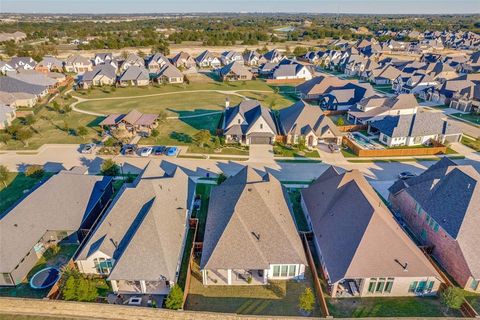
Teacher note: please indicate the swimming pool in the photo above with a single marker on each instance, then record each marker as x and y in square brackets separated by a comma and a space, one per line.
[364, 142]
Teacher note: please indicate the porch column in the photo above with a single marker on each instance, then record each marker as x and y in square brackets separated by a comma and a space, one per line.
[204, 277]
[143, 286]
[265, 276]
[333, 294]
[114, 285]
[229, 276]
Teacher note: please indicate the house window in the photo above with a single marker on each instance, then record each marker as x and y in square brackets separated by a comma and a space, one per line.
[380, 285]
[261, 125]
[372, 285]
[421, 286]
[436, 227]
[389, 285]
[276, 271]
[430, 286]
[291, 270]
[284, 271]
[418, 208]
[474, 284]
[102, 265]
[239, 121]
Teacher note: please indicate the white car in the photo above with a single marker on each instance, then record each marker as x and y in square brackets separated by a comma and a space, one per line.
[146, 151]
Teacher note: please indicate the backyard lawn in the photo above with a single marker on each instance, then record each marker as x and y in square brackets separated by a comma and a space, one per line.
[474, 300]
[388, 307]
[17, 184]
[58, 260]
[203, 190]
[470, 117]
[278, 298]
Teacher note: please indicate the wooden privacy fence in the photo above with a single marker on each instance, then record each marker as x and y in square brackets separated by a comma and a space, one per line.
[316, 281]
[276, 81]
[438, 148]
[353, 127]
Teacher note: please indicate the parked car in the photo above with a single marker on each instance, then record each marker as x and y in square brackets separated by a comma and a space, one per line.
[129, 149]
[159, 150]
[146, 151]
[171, 151]
[406, 175]
[88, 148]
[333, 147]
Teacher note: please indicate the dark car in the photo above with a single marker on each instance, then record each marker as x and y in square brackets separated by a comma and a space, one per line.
[129, 149]
[88, 148]
[159, 150]
[333, 147]
[406, 175]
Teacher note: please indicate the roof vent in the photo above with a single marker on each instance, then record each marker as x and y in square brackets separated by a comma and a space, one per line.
[256, 235]
[249, 189]
[404, 266]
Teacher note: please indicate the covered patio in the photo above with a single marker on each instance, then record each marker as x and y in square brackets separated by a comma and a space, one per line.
[140, 286]
[235, 277]
[347, 288]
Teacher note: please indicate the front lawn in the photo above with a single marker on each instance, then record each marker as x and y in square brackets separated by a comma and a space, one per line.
[229, 150]
[473, 118]
[471, 143]
[281, 150]
[17, 185]
[388, 307]
[278, 298]
[181, 131]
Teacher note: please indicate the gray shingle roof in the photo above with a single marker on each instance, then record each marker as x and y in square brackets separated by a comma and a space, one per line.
[450, 194]
[235, 67]
[135, 73]
[250, 110]
[357, 234]
[144, 228]
[61, 203]
[12, 85]
[249, 225]
[412, 125]
[100, 70]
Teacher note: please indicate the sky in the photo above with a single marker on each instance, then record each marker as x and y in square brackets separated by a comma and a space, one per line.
[185, 6]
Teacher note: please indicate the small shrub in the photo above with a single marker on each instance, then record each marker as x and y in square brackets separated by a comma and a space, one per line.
[110, 168]
[340, 122]
[249, 279]
[306, 302]
[175, 298]
[452, 298]
[51, 252]
[34, 171]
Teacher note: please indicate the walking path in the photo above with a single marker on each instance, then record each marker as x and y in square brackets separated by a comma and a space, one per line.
[225, 92]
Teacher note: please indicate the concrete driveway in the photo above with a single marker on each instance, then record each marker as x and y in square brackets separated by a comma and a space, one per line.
[261, 153]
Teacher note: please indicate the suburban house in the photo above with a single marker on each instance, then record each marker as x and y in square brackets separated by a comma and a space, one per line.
[441, 207]
[15, 86]
[7, 115]
[5, 67]
[155, 62]
[134, 122]
[444, 93]
[138, 244]
[253, 58]
[250, 236]
[26, 63]
[169, 74]
[383, 75]
[249, 123]
[183, 60]
[362, 249]
[78, 64]
[414, 129]
[235, 71]
[443, 71]
[273, 56]
[18, 99]
[413, 83]
[376, 107]
[334, 93]
[206, 60]
[49, 64]
[134, 76]
[60, 210]
[228, 57]
[292, 71]
[132, 60]
[101, 75]
[102, 58]
[304, 121]
[33, 77]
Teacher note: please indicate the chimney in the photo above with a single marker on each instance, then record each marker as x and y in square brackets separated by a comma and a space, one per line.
[227, 103]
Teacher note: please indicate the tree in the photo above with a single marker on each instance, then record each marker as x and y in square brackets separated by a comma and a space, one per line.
[110, 168]
[34, 171]
[78, 288]
[306, 302]
[56, 106]
[299, 51]
[175, 298]
[4, 175]
[202, 137]
[301, 143]
[452, 298]
[5, 137]
[82, 132]
[155, 133]
[69, 291]
[66, 126]
[340, 121]
[30, 120]
[23, 135]
[162, 116]
[66, 109]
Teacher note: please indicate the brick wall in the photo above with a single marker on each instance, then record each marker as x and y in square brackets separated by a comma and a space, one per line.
[446, 249]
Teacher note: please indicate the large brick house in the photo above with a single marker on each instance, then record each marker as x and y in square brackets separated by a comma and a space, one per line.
[442, 208]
